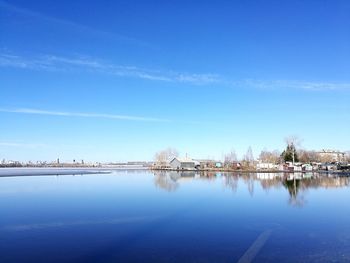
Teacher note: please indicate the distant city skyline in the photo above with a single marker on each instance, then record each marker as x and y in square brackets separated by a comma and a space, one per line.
[118, 81]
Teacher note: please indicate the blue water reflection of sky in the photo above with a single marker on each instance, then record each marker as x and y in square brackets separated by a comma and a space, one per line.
[169, 217]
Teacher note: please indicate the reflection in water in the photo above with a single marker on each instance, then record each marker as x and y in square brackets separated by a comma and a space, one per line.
[296, 184]
[232, 182]
[249, 179]
[166, 180]
[296, 198]
[114, 221]
[206, 217]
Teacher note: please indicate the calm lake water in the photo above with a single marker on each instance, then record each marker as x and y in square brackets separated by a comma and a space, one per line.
[141, 216]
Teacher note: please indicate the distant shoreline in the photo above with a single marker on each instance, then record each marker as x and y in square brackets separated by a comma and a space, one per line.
[46, 171]
[37, 171]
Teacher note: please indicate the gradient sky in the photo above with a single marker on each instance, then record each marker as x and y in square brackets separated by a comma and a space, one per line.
[119, 80]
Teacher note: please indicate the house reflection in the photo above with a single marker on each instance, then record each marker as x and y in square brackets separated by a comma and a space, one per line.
[296, 184]
[170, 180]
[165, 180]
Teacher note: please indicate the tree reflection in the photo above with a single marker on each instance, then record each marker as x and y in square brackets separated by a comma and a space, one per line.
[293, 185]
[166, 180]
[249, 179]
[231, 181]
[297, 184]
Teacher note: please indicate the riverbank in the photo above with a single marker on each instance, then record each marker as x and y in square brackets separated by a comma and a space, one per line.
[335, 172]
[31, 171]
[222, 170]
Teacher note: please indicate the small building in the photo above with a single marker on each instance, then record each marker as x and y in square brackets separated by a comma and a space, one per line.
[233, 165]
[266, 166]
[307, 167]
[329, 166]
[208, 163]
[294, 167]
[218, 164]
[184, 163]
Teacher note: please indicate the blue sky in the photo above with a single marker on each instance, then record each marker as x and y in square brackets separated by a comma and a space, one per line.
[119, 80]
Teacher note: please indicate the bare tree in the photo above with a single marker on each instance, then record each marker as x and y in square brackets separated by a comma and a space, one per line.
[314, 156]
[293, 140]
[308, 156]
[326, 158]
[270, 157]
[249, 157]
[162, 158]
[230, 157]
[347, 156]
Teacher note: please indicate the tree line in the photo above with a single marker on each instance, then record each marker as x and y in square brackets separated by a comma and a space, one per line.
[293, 152]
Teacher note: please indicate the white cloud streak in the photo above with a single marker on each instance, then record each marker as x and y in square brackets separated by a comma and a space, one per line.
[67, 24]
[88, 65]
[57, 63]
[22, 145]
[54, 63]
[292, 85]
[84, 115]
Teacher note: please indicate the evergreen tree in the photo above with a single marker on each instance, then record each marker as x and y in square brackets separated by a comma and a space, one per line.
[287, 154]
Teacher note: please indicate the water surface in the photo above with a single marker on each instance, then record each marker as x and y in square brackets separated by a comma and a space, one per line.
[141, 216]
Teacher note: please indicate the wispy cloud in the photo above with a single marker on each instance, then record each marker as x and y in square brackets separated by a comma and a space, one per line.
[292, 85]
[84, 115]
[69, 64]
[69, 25]
[22, 145]
[89, 65]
